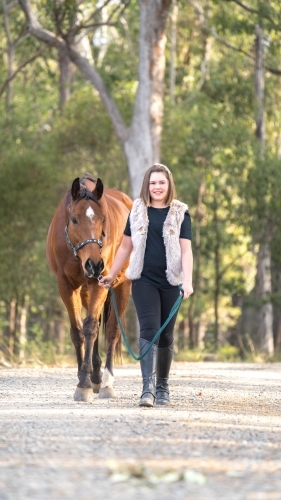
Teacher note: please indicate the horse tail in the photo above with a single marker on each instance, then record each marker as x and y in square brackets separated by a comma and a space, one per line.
[109, 324]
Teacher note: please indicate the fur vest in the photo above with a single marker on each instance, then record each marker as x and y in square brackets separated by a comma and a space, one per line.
[171, 233]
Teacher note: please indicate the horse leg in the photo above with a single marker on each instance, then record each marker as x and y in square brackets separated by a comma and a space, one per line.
[96, 377]
[77, 338]
[96, 299]
[96, 360]
[106, 389]
[84, 389]
[73, 304]
[122, 292]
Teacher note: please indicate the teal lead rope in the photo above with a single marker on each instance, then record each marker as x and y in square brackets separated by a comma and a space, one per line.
[173, 311]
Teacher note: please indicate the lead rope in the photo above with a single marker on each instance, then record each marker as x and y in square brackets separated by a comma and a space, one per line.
[173, 311]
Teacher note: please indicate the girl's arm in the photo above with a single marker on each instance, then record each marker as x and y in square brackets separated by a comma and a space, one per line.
[187, 266]
[121, 256]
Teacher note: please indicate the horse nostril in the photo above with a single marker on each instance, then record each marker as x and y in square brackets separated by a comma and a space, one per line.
[89, 266]
[93, 270]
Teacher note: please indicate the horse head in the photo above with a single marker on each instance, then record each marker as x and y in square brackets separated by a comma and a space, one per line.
[84, 228]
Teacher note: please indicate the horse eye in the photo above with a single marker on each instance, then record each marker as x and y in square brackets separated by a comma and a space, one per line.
[74, 220]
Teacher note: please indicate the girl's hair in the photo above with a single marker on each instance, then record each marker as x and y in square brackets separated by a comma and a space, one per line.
[158, 167]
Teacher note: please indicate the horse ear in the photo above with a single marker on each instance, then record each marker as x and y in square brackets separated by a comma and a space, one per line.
[75, 189]
[98, 189]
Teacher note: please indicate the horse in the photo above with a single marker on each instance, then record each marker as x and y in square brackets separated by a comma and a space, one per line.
[82, 240]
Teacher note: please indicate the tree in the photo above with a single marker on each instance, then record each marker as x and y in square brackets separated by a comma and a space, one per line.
[141, 140]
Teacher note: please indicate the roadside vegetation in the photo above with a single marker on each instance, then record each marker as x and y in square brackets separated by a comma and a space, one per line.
[220, 137]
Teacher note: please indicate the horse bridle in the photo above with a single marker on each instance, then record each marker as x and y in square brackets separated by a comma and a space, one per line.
[75, 248]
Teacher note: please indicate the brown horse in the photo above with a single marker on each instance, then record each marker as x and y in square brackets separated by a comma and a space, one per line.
[83, 237]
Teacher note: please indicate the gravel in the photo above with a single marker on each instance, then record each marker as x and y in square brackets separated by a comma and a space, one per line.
[219, 439]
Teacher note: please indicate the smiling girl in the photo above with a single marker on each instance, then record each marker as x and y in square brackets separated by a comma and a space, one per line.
[157, 237]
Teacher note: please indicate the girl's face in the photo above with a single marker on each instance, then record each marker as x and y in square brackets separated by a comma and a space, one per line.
[158, 189]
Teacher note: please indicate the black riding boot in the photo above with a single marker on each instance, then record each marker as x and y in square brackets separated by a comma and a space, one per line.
[148, 370]
[165, 356]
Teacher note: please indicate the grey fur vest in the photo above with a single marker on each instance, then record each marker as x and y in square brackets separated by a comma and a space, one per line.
[171, 233]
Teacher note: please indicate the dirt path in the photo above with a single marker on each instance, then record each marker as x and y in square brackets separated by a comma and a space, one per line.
[220, 439]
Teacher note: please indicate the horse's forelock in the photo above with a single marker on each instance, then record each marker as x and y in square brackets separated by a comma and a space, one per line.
[83, 195]
[87, 195]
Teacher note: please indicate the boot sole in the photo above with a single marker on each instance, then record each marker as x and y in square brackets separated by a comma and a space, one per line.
[146, 402]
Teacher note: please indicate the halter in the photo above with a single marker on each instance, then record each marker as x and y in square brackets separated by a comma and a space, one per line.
[82, 244]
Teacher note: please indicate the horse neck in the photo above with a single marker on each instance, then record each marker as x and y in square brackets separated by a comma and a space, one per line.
[111, 209]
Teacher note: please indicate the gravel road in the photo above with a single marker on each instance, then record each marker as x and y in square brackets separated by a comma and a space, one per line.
[220, 438]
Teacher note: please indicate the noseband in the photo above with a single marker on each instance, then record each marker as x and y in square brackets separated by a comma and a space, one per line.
[82, 244]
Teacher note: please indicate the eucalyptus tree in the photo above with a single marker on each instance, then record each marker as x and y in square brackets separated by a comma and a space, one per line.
[141, 140]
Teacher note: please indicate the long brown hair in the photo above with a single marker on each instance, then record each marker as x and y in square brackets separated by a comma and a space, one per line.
[158, 167]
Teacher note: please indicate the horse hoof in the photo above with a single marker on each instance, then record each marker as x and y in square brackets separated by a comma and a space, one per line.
[85, 395]
[106, 392]
[96, 388]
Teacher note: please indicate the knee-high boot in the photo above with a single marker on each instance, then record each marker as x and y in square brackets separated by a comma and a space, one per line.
[148, 370]
[165, 356]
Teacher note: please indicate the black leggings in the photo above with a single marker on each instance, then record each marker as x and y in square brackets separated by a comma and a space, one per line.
[153, 306]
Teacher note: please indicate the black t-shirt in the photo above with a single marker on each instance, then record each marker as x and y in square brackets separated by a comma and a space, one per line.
[154, 266]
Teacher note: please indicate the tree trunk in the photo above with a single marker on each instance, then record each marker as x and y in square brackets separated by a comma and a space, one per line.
[7, 344]
[217, 276]
[197, 267]
[184, 330]
[277, 325]
[200, 332]
[104, 37]
[23, 330]
[259, 88]
[142, 146]
[276, 283]
[174, 18]
[12, 324]
[265, 313]
[66, 75]
[205, 63]
[10, 56]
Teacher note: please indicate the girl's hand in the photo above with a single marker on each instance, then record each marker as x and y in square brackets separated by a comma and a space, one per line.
[105, 281]
[187, 289]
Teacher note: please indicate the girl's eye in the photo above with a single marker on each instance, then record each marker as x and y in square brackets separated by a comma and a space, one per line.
[74, 220]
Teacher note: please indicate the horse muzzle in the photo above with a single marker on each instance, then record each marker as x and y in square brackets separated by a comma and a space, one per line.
[93, 270]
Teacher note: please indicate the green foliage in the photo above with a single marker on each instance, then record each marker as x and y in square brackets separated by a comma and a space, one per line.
[189, 355]
[83, 140]
[228, 353]
[208, 141]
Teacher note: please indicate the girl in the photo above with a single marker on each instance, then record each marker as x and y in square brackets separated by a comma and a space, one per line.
[157, 238]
